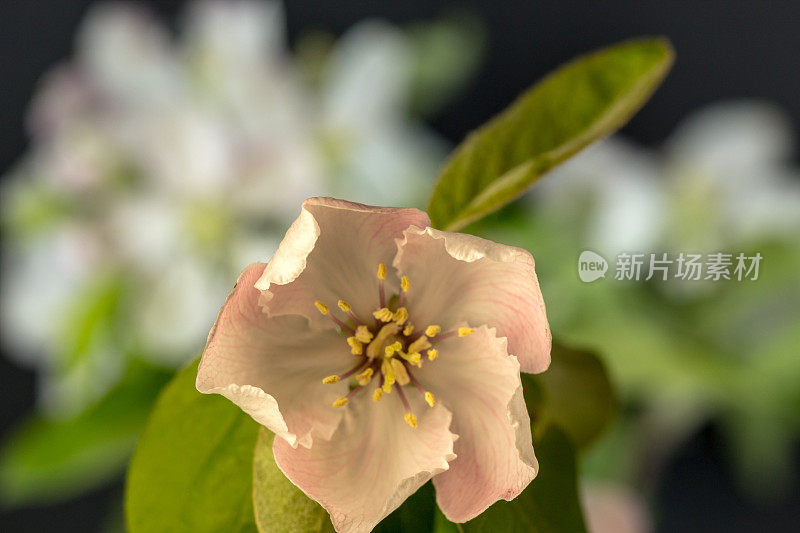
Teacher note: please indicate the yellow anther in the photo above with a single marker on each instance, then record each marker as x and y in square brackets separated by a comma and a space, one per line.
[433, 353]
[330, 380]
[433, 330]
[401, 316]
[377, 394]
[339, 402]
[400, 373]
[386, 387]
[344, 306]
[413, 358]
[411, 420]
[381, 271]
[384, 315]
[388, 374]
[392, 348]
[430, 399]
[463, 332]
[322, 307]
[356, 348]
[408, 330]
[365, 377]
[363, 334]
[405, 283]
[419, 345]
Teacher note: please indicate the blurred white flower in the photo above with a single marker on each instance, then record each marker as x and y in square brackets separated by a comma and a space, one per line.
[161, 165]
[723, 179]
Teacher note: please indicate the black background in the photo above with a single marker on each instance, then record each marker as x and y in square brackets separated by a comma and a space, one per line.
[725, 49]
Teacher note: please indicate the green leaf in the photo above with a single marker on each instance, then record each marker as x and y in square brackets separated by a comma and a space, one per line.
[193, 467]
[45, 460]
[550, 504]
[574, 393]
[280, 507]
[579, 103]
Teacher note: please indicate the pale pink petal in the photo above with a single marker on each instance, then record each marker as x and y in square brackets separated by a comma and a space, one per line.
[332, 252]
[479, 382]
[273, 367]
[373, 462]
[461, 278]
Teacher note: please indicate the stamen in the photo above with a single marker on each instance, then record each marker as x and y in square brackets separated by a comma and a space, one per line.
[330, 380]
[365, 377]
[463, 332]
[388, 374]
[418, 345]
[344, 306]
[399, 371]
[355, 369]
[339, 402]
[363, 334]
[408, 330]
[325, 311]
[384, 388]
[381, 290]
[405, 284]
[401, 315]
[383, 314]
[413, 358]
[356, 348]
[377, 394]
[433, 353]
[409, 416]
[430, 399]
[428, 395]
[392, 348]
[432, 330]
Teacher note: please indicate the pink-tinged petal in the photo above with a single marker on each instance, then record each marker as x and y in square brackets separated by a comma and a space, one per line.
[479, 382]
[373, 462]
[462, 278]
[273, 367]
[332, 252]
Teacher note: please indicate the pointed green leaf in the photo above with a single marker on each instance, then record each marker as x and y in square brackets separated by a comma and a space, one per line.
[550, 504]
[579, 103]
[575, 393]
[193, 467]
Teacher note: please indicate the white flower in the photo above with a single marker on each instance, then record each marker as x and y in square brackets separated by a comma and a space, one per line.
[371, 342]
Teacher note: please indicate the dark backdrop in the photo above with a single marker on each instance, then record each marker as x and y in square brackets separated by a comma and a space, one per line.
[725, 49]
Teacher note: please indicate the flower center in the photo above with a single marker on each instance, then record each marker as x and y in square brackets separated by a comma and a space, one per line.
[387, 346]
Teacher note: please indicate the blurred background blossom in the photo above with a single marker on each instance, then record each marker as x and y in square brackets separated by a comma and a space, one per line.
[160, 165]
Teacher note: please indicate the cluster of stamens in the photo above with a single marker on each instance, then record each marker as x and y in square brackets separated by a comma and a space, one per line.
[387, 346]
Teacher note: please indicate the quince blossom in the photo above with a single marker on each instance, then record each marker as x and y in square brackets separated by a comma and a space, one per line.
[380, 350]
